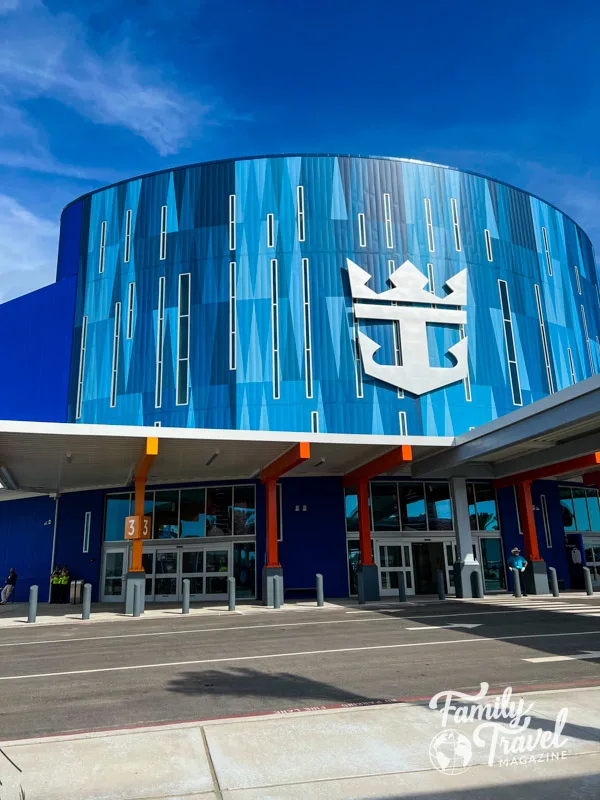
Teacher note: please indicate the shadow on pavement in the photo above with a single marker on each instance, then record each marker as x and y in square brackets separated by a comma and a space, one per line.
[242, 682]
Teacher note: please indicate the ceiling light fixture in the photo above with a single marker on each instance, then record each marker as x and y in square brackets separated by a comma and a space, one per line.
[319, 463]
[7, 480]
[212, 458]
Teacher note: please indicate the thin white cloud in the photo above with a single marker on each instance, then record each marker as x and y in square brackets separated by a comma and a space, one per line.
[49, 55]
[28, 251]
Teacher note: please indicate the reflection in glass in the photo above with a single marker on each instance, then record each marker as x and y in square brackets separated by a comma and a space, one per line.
[244, 568]
[492, 564]
[472, 506]
[216, 585]
[582, 519]
[165, 586]
[114, 564]
[568, 509]
[148, 562]
[196, 585]
[412, 507]
[217, 560]
[166, 563]
[244, 511]
[118, 506]
[166, 514]
[218, 510]
[193, 519]
[487, 514]
[192, 562]
[439, 507]
[593, 509]
[384, 502]
[353, 556]
[390, 555]
[351, 510]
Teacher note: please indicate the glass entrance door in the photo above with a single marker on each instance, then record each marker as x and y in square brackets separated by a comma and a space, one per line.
[592, 559]
[207, 570]
[428, 557]
[393, 557]
[115, 570]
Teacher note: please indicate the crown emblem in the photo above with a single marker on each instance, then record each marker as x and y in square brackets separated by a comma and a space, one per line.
[414, 307]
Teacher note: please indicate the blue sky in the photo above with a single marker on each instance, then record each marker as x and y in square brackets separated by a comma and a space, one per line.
[92, 93]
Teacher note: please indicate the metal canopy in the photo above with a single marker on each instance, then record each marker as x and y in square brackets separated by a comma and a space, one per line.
[562, 426]
[52, 457]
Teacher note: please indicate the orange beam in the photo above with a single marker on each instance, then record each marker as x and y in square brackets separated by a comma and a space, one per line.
[592, 478]
[296, 455]
[527, 519]
[139, 478]
[271, 508]
[552, 470]
[385, 463]
[364, 523]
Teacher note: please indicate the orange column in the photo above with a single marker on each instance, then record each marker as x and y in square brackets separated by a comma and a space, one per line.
[271, 508]
[527, 519]
[138, 510]
[364, 523]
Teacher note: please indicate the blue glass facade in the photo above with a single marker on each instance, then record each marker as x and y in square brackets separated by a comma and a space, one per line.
[217, 229]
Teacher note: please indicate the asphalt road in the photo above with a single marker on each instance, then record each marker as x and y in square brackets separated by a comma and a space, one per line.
[74, 678]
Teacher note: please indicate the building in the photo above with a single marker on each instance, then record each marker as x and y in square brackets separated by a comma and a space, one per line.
[303, 339]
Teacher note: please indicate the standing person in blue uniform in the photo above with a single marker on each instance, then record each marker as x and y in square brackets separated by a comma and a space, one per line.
[517, 561]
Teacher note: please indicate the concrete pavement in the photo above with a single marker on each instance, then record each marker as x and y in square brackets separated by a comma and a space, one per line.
[373, 752]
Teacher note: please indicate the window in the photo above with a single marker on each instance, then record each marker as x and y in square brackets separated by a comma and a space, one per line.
[593, 505]
[218, 510]
[127, 253]
[412, 506]
[428, 220]
[308, 371]
[183, 340]
[115, 356]
[351, 502]
[279, 513]
[314, 421]
[587, 339]
[166, 514]
[232, 315]
[467, 380]
[87, 523]
[402, 422]
[546, 520]
[270, 230]
[568, 509]
[571, 365]
[118, 506]
[275, 327]
[362, 231]
[130, 309]
[482, 506]
[79, 402]
[598, 294]
[580, 504]
[163, 233]
[547, 249]
[232, 222]
[509, 341]
[384, 506]
[517, 510]
[439, 507]
[545, 347]
[102, 247]
[300, 213]
[387, 208]
[157, 424]
[430, 279]
[577, 279]
[488, 245]
[244, 511]
[396, 333]
[455, 223]
[357, 364]
[192, 513]
[160, 341]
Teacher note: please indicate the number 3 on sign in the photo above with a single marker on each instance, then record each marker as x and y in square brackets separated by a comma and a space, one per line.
[132, 526]
[145, 527]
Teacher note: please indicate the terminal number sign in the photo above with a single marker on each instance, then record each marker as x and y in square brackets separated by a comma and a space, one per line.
[137, 527]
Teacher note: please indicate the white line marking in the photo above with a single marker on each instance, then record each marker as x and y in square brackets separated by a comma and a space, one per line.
[451, 625]
[470, 640]
[551, 659]
[252, 627]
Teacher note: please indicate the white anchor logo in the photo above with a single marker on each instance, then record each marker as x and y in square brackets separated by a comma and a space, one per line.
[415, 375]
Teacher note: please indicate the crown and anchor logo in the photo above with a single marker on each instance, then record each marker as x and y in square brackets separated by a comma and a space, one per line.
[412, 309]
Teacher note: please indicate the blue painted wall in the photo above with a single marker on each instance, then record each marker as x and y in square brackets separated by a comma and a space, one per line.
[36, 360]
[26, 532]
[336, 190]
[69, 241]
[69, 541]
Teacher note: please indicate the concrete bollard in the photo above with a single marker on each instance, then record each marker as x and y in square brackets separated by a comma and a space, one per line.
[87, 601]
[33, 601]
[553, 582]
[440, 585]
[231, 594]
[320, 595]
[276, 592]
[478, 584]
[137, 600]
[587, 577]
[185, 607]
[401, 587]
[516, 582]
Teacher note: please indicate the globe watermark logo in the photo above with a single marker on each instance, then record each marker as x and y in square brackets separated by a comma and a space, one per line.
[496, 731]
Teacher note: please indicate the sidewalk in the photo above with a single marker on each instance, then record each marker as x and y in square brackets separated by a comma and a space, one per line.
[375, 752]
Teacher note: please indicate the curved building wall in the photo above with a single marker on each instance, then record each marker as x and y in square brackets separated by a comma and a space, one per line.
[272, 329]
